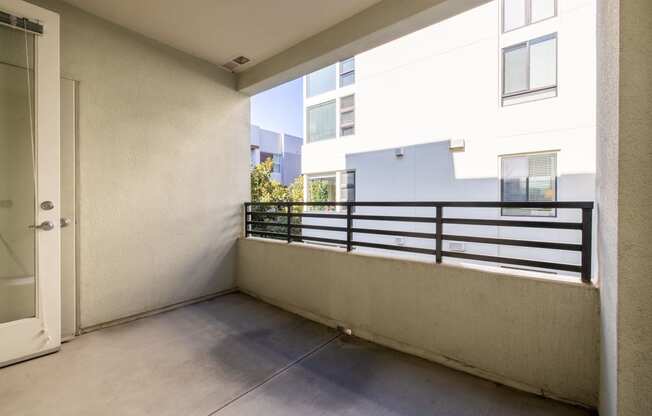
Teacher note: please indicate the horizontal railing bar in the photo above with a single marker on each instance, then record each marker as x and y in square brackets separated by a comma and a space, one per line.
[277, 224]
[312, 215]
[318, 239]
[318, 227]
[393, 218]
[509, 260]
[509, 223]
[268, 214]
[259, 232]
[395, 248]
[508, 242]
[430, 236]
[461, 204]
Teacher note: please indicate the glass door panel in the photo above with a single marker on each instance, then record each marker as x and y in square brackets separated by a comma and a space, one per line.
[17, 176]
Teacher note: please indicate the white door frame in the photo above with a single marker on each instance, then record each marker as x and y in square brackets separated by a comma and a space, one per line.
[26, 338]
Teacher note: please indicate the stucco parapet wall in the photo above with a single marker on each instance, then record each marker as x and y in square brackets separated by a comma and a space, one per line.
[529, 332]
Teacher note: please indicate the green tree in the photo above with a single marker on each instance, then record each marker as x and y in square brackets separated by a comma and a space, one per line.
[295, 190]
[263, 187]
[266, 189]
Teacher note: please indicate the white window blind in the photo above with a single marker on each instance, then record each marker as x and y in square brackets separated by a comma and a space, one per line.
[321, 122]
[530, 67]
[529, 178]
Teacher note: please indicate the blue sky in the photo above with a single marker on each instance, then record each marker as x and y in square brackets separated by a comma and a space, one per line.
[280, 109]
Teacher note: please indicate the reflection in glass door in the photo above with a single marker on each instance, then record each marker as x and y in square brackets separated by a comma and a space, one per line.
[17, 176]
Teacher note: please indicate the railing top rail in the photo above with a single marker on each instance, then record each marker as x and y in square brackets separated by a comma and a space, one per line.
[460, 204]
[440, 220]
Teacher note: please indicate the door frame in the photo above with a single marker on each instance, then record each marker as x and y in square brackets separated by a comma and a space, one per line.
[69, 207]
[30, 337]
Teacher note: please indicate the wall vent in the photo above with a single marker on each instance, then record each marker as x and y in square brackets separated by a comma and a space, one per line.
[241, 60]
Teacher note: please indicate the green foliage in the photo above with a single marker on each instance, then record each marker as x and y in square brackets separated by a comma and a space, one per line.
[265, 189]
[295, 190]
[319, 191]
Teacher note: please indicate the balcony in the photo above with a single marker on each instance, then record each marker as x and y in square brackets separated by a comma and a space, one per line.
[235, 355]
[341, 221]
[132, 282]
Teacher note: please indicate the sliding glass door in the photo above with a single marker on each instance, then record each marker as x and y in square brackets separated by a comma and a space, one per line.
[29, 181]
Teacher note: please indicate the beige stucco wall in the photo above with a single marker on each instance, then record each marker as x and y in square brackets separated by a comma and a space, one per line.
[163, 169]
[634, 292]
[537, 335]
[624, 204]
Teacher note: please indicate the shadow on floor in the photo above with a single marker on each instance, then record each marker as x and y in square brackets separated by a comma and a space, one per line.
[253, 358]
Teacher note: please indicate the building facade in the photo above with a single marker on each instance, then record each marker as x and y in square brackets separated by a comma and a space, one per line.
[283, 149]
[505, 111]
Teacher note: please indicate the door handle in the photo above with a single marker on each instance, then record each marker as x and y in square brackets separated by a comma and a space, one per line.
[65, 222]
[45, 226]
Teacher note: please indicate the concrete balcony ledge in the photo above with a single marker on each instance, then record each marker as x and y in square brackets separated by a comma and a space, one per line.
[536, 334]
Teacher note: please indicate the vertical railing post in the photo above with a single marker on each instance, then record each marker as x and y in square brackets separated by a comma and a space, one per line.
[349, 227]
[439, 231]
[246, 207]
[587, 246]
[289, 214]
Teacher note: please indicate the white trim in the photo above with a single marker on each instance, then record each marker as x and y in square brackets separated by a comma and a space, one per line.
[27, 338]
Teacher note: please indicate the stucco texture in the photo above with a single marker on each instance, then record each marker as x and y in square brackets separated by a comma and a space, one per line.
[634, 204]
[162, 171]
[534, 334]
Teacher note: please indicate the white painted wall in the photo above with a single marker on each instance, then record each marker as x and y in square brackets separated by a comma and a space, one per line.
[163, 169]
[444, 82]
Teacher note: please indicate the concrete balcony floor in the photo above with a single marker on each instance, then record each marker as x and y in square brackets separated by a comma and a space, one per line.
[234, 355]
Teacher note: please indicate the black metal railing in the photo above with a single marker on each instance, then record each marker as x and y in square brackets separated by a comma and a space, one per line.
[287, 216]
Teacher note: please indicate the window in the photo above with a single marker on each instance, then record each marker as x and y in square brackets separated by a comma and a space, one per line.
[530, 68]
[519, 13]
[347, 72]
[276, 167]
[529, 178]
[275, 158]
[347, 186]
[321, 81]
[321, 122]
[322, 189]
[347, 115]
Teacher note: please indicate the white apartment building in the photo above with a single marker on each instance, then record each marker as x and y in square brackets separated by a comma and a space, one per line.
[502, 111]
[284, 150]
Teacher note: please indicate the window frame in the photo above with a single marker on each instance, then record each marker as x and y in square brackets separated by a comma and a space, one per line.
[345, 110]
[334, 68]
[346, 186]
[528, 44]
[321, 176]
[528, 16]
[321, 104]
[527, 185]
[342, 73]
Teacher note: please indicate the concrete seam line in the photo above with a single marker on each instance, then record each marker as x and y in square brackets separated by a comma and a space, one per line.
[275, 374]
[156, 311]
